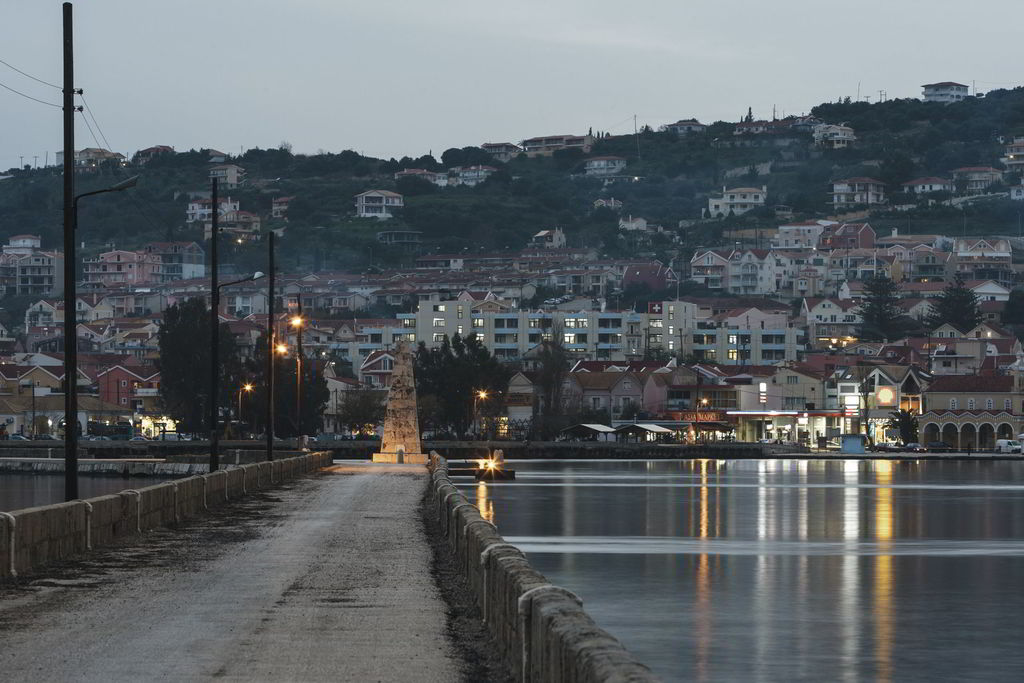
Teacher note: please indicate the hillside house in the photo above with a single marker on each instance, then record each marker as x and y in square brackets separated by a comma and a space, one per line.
[379, 204]
[857, 192]
[945, 92]
[972, 180]
[229, 176]
[604, 166]
[737, 201]
[686, 127]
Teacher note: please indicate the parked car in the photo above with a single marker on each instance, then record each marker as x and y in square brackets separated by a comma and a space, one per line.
[914, 447]
[1008, 446]
[18, 437]
[938, 447]
[138, 438]
[891, 447]
[46, 437]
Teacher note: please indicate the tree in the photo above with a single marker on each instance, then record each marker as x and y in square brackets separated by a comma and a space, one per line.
[905, 422]
[185, 365]
[315, 394]
[957, 305]
[879, 312]
[361, 409]
[552, 368]
[449, 376]
[1013, 313]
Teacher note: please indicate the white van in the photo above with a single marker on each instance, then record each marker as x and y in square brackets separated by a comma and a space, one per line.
[1007, 446]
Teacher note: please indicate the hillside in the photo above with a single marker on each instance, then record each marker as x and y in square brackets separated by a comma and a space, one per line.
[896, 140]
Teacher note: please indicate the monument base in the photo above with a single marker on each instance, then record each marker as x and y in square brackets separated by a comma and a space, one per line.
[402, 458]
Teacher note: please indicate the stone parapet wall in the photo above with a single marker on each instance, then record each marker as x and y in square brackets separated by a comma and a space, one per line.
[36, 536]
[542, 630]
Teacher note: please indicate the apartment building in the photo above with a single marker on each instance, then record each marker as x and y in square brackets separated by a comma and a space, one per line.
[40, 272]
[178, 260]
[857, 192]
[120, 267]
[502, 151]
[1014, 154]
[549, 144]
[229, 176]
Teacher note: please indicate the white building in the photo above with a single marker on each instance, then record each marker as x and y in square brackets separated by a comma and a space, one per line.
[1017, 192]
[737, 200]
[549, 239]
[378, 204]
[201, 210]
[1014, 159]
[229, 176]
[833, 136]
[802, 235]
[470, 176]
[22, 245]
[686, 127]
[929, 184]
[602, 166]
[945, 92]
[857, 191]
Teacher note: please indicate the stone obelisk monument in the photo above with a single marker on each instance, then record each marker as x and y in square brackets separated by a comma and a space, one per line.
[400, 440]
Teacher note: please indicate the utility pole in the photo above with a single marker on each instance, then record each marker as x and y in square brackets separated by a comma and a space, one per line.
[214, 327]
[270, 348]
[70, 325]
[636, 134]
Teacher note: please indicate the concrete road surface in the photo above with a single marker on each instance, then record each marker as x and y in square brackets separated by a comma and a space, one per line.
[325, 579]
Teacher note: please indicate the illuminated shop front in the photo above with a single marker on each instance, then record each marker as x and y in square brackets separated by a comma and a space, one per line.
[800, 426]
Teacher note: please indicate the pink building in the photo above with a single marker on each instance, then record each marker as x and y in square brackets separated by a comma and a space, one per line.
[123, 267]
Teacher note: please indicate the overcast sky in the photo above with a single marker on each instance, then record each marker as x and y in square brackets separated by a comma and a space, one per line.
[405, 77]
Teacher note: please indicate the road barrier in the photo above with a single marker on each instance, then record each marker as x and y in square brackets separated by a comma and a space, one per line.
[33, 537]
[541, 630]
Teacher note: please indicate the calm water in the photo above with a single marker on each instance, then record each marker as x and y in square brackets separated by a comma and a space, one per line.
[785, 570]
[19, 491]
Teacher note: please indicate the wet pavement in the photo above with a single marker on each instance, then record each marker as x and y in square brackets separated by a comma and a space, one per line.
[326, 578]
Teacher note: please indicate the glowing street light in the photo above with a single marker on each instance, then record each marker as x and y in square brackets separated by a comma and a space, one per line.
[281, 349]
[245, 388]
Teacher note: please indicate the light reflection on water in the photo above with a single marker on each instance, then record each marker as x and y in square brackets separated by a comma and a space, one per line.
[785, 570]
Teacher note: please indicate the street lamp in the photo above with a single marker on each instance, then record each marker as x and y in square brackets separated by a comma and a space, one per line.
[245, 387]
[71, 340]
[297, 322]
[215, 354]
[479, 395]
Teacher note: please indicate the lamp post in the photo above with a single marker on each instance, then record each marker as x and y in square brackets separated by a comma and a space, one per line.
[479, 395]
[214, 352]
[244, 388]
[297, 322]
[270, 346]
[71, 340]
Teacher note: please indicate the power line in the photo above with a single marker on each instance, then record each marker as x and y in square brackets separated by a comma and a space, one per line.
[27, 75]
[28, 97]
[143, 210]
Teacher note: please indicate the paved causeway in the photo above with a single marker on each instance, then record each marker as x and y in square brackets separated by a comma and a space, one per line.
[325, 579]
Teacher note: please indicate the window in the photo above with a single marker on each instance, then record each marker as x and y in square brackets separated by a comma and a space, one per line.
[459, 313]
[439, 308]
[1008, 404]
[733, 338]
[970, 404]
[733, 354]
[953, 405]
[657, 323]
[124, 383]
[478, 322]
[989, 404]
[438, 322]
[792, 379]
[438, 337]
[460, 330]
